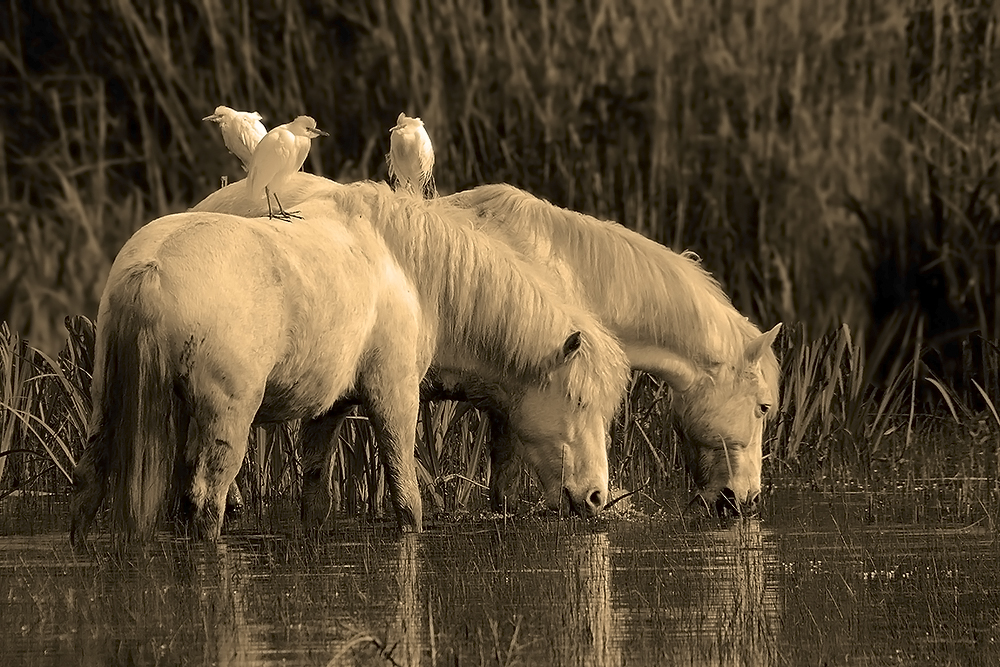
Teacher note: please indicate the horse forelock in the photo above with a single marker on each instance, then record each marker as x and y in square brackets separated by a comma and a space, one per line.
[486, 295]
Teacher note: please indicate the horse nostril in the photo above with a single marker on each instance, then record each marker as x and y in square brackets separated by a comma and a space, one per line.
[726, 504]
[595, 501]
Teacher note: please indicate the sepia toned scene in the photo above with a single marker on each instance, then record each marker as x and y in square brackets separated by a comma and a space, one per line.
[554, 332]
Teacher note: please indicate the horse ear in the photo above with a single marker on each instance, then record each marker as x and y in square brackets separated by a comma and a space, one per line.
[571, 345]
[762, 342]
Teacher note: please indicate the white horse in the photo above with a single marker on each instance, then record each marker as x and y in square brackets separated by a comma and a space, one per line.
[673, 320]
[210, 322]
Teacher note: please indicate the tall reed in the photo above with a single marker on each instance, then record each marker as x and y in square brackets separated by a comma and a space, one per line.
[832, 420]
[816, 154]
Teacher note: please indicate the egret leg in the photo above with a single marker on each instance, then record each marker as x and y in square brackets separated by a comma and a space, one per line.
[283, 214]
[267, 197]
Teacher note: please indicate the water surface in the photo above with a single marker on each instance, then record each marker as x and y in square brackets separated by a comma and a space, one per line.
[846, 578]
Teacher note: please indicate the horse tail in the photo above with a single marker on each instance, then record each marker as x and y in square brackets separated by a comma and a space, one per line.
[138, 402]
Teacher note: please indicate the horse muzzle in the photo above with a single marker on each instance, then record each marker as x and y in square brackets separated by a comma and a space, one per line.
[588, 504]
[725, 504]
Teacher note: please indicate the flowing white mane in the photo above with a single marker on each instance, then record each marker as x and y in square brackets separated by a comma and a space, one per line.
[485, 294]
[641, 289]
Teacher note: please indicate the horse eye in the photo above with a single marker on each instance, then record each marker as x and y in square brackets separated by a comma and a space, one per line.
[764, 407]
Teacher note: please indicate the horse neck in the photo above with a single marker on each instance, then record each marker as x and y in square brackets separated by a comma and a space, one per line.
[652, 298]
[494, 317]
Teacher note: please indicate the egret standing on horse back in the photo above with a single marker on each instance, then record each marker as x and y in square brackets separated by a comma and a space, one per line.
[411, 157]
[241, 131]
[280, 154]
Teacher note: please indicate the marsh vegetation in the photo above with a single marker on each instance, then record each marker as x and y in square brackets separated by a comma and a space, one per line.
[834, 164]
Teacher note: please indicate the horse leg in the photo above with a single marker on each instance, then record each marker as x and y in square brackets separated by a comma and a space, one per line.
[216, 445]
[505, 472]
[396, 440]
[234, 500]
[392, 410]
[317, 440]
[90, 486]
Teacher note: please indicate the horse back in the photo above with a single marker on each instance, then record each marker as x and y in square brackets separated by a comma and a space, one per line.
[284, 312]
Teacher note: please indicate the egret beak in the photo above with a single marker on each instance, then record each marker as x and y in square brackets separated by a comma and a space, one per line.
[214, 117]
[320, 133]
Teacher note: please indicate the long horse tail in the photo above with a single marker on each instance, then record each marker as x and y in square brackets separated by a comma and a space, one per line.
[138, 403]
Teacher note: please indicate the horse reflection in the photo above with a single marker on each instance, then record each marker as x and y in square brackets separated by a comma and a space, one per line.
[713, 606]
[591, 631]
[411, 624]
[185, 605]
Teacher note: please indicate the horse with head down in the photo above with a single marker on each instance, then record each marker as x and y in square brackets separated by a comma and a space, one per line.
[211, 322]
[673, 320]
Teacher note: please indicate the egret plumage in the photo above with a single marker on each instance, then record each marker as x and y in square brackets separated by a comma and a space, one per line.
[280, 154]
[411, 157]
[241, 131]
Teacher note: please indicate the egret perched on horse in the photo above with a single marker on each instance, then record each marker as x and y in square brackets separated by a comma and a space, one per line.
[281, 153]
[241, 131]
[410, 159]
[673, 320]
[211, 322]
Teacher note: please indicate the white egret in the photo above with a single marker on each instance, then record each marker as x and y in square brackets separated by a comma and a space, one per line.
[241, 131]
[280, 154]
[411, 157]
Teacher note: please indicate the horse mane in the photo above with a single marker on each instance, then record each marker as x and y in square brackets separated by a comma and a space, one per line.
[500, 306]
[642, 297]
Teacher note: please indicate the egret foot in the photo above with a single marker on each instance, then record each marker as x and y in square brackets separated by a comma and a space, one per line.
[282, 214]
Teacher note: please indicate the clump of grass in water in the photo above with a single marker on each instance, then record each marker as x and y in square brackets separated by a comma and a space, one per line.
[837, 421]
[45, 408]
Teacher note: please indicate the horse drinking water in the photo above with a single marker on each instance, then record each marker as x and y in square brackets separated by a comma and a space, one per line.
[673, 320]
[210, 322]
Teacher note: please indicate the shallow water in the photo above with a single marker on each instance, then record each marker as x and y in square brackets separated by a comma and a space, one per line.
[822, 578]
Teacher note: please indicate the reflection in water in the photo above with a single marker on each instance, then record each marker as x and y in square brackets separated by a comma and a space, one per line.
[176, 604]
[588, 639]
[199, 584]
[229, 630]
[699, 598]
[747, 613]
[808, 588]
[411, 616]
